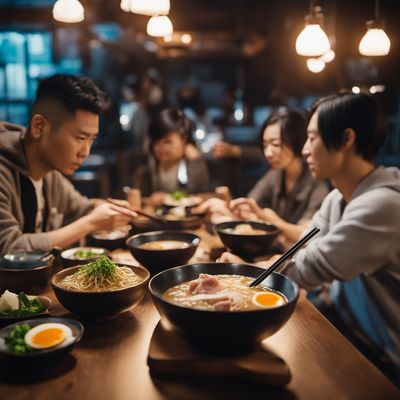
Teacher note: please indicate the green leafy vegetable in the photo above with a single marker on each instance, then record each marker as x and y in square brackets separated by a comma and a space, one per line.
[84, 254]
[26, 307]
[177, 195]
[103, 269]
[15, 340]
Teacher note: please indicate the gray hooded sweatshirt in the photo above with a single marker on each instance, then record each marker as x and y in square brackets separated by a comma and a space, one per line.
[64, 204]
[358, 250]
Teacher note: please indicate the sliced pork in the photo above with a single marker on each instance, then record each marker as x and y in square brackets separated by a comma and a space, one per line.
[223, 305]
[208, 288]
[205, 284]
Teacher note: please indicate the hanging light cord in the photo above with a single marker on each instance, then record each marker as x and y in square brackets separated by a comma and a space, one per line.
[377, 16]
[312, 7]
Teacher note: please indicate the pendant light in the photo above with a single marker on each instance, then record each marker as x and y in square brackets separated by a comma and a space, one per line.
[126, 5]
[375, 42]
[315, 65]
[312, 40]
[146, 7]
[328, 56]
[70, 11]
[159, 26]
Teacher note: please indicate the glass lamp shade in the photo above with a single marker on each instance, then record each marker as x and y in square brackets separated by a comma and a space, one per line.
[159, 26]
[68, 11]
[315, 65]
[375, 42]
[150, 7]
[329, 56]
[126, 5]
[312, 41]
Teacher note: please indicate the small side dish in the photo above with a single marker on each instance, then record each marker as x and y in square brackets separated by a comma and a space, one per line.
[40, 338]
[20, 305]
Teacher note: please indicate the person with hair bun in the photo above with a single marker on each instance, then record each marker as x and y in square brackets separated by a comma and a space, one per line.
[174, 162]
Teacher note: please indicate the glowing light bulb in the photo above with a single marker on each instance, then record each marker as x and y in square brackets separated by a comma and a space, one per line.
[315, 65]
[69, 11]
[375, 42]
[312, 41]
[159, 26]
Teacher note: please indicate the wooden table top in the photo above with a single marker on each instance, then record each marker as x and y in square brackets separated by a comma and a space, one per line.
[110, 363]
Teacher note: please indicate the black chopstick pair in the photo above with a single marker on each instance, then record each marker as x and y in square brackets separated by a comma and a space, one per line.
[284, 257]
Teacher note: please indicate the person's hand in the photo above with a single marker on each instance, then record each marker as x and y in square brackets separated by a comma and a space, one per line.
[119, 202]
[271, 216]
[228, 257]
[216, 208]
[108, 217]
[157, 198]
[191, 152]
[226, 150]
[246, 208]
[219, 218]
[212, 205]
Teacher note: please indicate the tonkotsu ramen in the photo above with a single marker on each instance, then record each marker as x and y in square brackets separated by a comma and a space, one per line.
[223, 293]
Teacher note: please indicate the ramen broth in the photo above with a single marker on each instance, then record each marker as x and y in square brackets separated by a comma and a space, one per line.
[245, 229]
[164, 245]
[235, 287]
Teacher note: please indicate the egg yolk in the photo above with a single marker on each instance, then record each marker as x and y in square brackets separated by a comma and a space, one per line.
[48, 337]
[268, 299]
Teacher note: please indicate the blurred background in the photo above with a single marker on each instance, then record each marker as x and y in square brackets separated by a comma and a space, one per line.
[227, 63]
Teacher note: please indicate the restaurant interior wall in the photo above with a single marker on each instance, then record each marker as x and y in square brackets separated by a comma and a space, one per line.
[111, 43]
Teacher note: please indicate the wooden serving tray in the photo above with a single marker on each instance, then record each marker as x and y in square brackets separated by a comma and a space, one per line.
[171, 354]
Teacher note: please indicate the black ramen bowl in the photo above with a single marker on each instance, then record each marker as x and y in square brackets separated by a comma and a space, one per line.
[223, 332]
[187, 222]
[79, 255]
[30, 273]
[247, 246]
[158, 260]
[97, 305]
[108, 240]
[22, 259]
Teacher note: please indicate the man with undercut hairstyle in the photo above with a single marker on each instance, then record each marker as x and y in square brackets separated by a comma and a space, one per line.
[39, 208]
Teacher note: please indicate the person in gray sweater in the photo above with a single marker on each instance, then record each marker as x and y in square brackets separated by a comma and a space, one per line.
[39, 208]
[357, 249]
[287, 196]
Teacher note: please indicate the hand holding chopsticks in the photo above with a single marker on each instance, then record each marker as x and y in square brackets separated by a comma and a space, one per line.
[137, 210]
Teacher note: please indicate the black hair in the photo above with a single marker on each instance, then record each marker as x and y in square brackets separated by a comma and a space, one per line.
[168, 121]
[132, 82]
[293, 129]
[359, 112]
[73, 92]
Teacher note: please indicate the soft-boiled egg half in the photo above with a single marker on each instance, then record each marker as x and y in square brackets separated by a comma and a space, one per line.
[48, 335]
[267, 299]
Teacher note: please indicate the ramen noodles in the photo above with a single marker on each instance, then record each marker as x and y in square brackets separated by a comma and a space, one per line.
[99, 276]
[223, 293]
